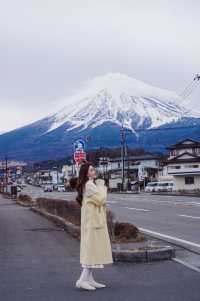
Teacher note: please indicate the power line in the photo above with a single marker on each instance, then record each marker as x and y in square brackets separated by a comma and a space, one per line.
[189, 89]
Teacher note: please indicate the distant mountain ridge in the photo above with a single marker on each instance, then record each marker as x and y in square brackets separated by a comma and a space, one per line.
[98, 111]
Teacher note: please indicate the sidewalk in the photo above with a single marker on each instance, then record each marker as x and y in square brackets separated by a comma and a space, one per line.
[39, 261]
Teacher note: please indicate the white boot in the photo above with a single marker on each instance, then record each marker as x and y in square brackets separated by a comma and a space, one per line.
[93, 282]
[96, 284]
[85, 285]
[83, 282]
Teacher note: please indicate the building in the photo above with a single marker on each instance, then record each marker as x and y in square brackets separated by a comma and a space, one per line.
[68, 171]
[183, 164]
[11, 170]
[136, 169]
[47, 176]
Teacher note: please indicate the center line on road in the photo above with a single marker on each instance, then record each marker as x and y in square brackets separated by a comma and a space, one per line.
[139, 209]
[190, 216]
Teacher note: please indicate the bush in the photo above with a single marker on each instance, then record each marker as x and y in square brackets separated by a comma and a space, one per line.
[125, 231]
[71, 212]
[25, 198]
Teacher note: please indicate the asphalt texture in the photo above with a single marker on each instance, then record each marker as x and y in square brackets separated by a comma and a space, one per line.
[40, 261]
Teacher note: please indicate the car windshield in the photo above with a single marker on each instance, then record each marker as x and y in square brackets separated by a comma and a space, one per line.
[165, 184]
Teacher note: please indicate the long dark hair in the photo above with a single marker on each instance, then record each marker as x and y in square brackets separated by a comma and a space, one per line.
[79, 182]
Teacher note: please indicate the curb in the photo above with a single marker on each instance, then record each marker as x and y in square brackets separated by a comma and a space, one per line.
[125, 255]
[69, 227]
[161, 253]
[23, 204]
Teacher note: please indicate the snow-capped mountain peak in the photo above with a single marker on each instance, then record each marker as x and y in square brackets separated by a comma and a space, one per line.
[118, 98]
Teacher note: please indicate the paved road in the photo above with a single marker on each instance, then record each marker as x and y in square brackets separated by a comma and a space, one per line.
[39, 261]
[171, 215]
[175, 216]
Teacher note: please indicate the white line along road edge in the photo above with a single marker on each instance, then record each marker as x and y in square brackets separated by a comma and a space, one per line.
[190, 216]
[137, 209]
[192, 246]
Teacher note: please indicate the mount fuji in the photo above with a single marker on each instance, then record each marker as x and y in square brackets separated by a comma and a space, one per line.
[154, 116]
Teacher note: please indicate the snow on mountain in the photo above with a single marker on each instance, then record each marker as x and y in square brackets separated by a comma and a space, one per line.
[116, 97]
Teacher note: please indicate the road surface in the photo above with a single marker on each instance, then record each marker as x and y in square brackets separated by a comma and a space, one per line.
[175, 216]
[39, 261]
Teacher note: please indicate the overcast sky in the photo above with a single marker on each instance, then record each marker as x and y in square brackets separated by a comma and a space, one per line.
[48, 47]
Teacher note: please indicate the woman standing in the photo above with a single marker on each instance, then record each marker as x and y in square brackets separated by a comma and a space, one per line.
[95, 246]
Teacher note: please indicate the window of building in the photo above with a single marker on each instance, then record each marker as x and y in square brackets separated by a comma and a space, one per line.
[189, 180]
[191, 166]
[174, 166]
[198, 150]
[173, 152]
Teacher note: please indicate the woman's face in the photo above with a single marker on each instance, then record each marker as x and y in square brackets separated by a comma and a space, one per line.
[91, 172]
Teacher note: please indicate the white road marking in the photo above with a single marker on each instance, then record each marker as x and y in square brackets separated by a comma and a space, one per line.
[193, 203]
[171, 239]
[139, 209]
[190, 216]
[186, 264]
[111, 202]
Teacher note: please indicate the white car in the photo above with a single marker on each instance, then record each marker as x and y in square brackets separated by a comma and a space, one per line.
[165, 186]
[151, 186]
[19, 188]
[61, 188]
[162, 186]
[48, 188]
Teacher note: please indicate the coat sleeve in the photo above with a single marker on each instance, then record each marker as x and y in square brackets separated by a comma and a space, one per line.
[94, 194]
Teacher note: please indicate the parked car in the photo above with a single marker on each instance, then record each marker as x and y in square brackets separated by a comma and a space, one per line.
[48, 188]
[162, 186]
[61, 188]
[19, 188]
[165, 186]
[150, 187]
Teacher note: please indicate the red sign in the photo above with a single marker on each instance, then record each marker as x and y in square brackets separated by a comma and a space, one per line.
[79, 156]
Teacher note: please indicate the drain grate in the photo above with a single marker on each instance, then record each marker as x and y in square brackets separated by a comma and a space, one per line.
[44, 229]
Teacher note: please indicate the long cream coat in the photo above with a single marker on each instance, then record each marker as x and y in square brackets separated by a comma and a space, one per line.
[95, 246]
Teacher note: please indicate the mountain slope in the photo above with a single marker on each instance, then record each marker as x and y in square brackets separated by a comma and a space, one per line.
[117, 98]
[98, 111]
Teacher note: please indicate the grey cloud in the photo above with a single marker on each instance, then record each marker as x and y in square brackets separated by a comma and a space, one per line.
[49, 47]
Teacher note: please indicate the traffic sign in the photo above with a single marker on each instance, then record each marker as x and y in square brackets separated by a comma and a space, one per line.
[141, 173]
[79, 156]
[79, 145]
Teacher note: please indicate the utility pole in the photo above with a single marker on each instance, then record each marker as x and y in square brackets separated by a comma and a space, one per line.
[6, 172]
[128, 173]
[122, 134]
